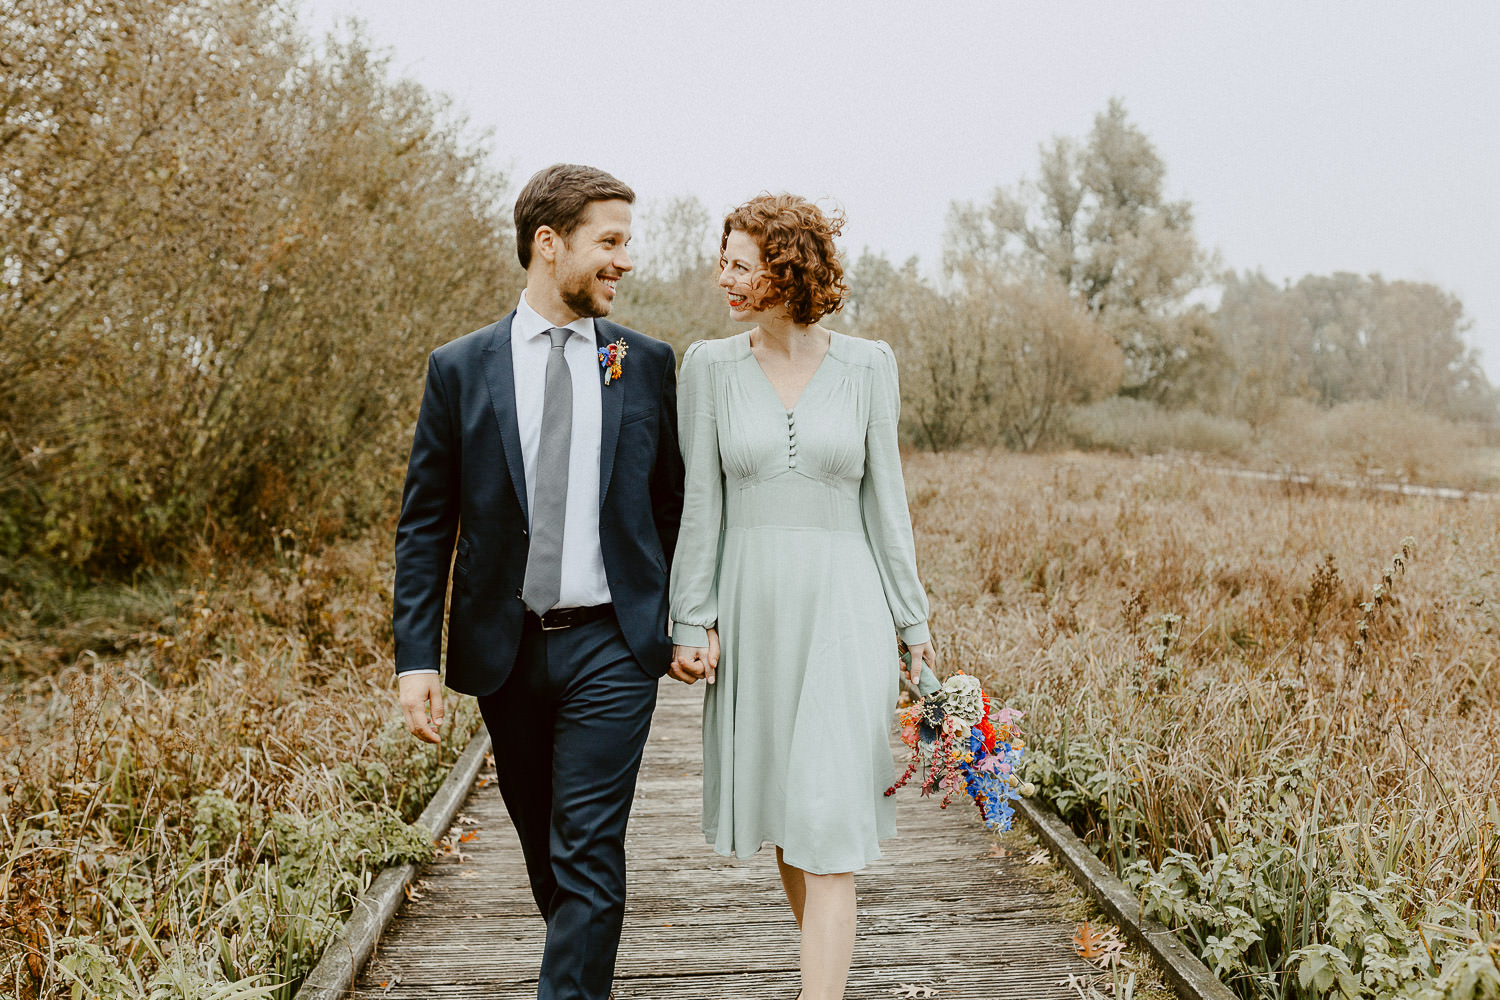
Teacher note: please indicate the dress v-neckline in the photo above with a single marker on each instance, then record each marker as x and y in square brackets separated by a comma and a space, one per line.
[822, 363]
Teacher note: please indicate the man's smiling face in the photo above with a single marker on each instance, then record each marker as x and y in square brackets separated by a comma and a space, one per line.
[592, 260]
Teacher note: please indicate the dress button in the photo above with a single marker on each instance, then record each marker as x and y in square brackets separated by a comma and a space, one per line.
[791, 463]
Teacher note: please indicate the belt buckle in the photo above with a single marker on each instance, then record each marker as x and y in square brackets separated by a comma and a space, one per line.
[549, 628]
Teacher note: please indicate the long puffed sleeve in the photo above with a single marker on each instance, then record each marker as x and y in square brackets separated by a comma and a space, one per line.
[882, 497]
[695, 567]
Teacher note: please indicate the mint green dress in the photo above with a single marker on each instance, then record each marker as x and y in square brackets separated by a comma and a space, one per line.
[796, 542]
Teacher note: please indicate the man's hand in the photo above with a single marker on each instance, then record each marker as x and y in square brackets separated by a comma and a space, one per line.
[690, 663]
[921, 653]
[417, 691]
[686, 665]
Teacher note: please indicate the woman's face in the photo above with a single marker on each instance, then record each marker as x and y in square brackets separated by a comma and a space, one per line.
[743, 277]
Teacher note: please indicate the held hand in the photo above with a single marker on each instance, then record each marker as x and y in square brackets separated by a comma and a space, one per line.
[690, 663]
[417, 691]
[687, 663]
[922, 652]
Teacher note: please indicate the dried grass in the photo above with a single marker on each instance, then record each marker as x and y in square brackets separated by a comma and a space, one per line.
[203, 807]
[1209, 663]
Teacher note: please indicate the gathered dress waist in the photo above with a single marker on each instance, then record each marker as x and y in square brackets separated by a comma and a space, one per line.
[794, 501]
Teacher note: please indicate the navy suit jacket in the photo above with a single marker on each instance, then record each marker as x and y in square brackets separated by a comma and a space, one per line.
[464, 504]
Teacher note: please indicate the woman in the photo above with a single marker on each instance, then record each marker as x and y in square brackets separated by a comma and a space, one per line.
[796, 546]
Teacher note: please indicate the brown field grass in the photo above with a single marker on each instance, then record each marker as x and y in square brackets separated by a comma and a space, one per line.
[194, 816]
[1300, 684]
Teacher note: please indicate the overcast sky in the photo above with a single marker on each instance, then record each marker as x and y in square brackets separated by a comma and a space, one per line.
[1310, 137]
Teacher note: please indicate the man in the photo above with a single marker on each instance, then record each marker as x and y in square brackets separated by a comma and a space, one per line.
[545, 468]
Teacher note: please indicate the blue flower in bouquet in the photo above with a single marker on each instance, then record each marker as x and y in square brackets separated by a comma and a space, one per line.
[965, 745]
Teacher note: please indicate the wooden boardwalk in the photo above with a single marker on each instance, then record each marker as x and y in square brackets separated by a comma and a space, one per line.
[941, 910]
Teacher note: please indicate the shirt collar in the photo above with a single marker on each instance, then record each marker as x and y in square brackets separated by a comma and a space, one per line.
[530, 324]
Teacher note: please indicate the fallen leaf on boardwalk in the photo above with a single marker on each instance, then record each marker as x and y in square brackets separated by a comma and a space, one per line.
[1102, 946]
[1082, 985]
[999, 852]
[412, 894]
[1039, 858]
[467, 836]
[908, 991]
[483, 782]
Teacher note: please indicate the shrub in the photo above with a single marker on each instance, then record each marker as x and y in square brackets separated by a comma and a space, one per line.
[224, 262]
[1141, 427]
[1379, 440]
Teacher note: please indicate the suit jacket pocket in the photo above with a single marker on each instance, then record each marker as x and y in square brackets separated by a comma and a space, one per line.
[635, 415]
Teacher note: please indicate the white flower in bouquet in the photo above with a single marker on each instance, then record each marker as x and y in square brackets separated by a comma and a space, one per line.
[964, 699]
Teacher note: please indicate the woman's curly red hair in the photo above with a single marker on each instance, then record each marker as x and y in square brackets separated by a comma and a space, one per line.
[796, 245]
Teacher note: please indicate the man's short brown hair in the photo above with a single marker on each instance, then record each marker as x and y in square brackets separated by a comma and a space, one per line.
[558, 197]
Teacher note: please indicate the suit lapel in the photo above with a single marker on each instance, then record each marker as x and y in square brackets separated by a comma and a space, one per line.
[613, 404]
[500, 377]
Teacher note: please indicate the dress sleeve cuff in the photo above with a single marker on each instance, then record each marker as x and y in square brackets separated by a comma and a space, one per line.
[418, 670]
[914, 635]
[695, 636]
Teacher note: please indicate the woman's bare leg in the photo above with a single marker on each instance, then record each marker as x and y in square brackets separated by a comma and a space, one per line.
[827, 934]
[793, 885]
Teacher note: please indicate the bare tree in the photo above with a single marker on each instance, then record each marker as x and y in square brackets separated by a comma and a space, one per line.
[673, 295]
[1096, 219]
[1345, 337]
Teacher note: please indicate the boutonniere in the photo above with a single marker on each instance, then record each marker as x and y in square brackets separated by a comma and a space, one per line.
[610, 358]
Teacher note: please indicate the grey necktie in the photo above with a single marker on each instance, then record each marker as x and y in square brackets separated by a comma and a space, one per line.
[549, 504]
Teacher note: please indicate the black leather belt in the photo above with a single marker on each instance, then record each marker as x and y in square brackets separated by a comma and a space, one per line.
[559, 618]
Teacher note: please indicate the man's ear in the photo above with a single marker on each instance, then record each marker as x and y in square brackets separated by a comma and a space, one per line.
[545, 243]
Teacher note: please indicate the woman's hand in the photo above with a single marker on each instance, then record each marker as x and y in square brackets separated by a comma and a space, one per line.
[689, 663]
[922, 652]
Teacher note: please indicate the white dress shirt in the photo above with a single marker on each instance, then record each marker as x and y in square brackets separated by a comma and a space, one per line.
[583, 580]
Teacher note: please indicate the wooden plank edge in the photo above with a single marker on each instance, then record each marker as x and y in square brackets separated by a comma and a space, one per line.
[1191, 978]
[347, 954]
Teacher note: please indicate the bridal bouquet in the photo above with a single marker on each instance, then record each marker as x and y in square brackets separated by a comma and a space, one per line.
[963, 744]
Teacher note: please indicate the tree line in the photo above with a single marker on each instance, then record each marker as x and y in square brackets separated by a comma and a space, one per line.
[224, 256]
[1086, 283]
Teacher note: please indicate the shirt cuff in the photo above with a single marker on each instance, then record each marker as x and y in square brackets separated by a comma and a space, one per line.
[914, 635]
[695, 636]
[418, 670]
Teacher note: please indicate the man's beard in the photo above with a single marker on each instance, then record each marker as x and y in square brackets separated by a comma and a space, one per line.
[581, 299]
